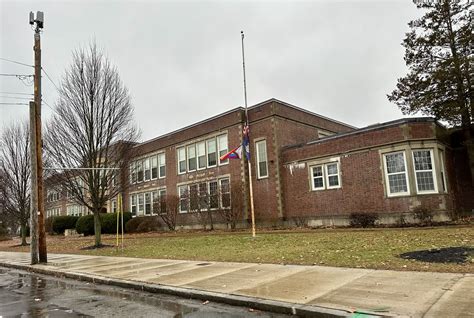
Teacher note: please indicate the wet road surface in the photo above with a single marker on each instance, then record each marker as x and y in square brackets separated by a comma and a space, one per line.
[24, 294]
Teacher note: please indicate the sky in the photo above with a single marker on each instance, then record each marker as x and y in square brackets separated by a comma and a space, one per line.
[182, 60]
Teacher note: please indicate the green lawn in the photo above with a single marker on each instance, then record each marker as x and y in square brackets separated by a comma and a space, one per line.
[375, 248]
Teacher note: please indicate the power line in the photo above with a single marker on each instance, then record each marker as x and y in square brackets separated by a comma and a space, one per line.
[16, 75]
[48, 105]
[11, 61]
[49, 78]
[13, 93]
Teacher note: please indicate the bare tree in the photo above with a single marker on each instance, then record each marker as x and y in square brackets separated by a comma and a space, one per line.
[232, 206]
[15, 171]
[168, 209]
[92, 128]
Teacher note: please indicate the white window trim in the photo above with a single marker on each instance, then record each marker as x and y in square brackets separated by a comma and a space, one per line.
[225, 162]
[433, 171]
[157, 167]
[216, 151]
[160, 155]
[188, 157]
[387, 182]
[178, 160]
[257, 157]
[179, 195]
[322, 177]
[442, 170]
[205, 154]
[326, 174]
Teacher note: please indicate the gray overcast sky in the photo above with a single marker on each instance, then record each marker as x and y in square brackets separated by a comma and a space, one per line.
[182, 60]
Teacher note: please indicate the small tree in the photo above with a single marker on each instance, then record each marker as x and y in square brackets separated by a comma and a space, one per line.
[169, 209]
[15, 174]
[92, 128]
[232, 205]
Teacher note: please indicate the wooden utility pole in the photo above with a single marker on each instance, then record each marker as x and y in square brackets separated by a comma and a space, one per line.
[37, 189]
[34, 193]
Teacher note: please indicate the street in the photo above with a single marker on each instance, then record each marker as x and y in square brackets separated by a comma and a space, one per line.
[24, 294]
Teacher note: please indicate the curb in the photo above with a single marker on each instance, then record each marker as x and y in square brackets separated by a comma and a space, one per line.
[275, 306]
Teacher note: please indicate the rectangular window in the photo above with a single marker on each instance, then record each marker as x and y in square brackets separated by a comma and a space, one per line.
[211, 153]
[139, 170]
[213, 195]
[154, 167]
[442, 170]
[181, 160]
[133, 172]
[396, 174]
[183, 199]
[162, 164]
[318, 178]
[424, 171]
[191, 158]
[225, 193]
[133, 204]
[162, 201]
[147, 168]
[141, 205]
[332, 175]
[222, 144]
[201, 154]
[114, 206]
[193, 198]
[203, 196]
[147, 203]
[262, 166]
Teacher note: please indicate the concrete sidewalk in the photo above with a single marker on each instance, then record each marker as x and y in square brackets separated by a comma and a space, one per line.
[302, 290]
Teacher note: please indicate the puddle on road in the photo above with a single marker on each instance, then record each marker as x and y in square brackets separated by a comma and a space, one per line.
[25, 294]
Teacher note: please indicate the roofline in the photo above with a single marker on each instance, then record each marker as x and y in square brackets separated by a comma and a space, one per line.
[190, 126]
[303, 110]
[371, 128]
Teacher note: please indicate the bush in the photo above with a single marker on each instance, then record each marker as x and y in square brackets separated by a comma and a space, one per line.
[142, 224]
[423, 215]
[48, 225]
[64, 222]
[109, 222]
[85, 225]
[364, 219]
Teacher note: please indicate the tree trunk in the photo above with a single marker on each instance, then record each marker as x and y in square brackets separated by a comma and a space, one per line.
[469, 143]
[97, 229]
[23, 234]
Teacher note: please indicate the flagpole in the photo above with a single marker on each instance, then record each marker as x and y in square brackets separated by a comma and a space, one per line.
[247, 124]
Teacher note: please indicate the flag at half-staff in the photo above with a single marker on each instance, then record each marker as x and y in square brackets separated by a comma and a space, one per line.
[236, 153]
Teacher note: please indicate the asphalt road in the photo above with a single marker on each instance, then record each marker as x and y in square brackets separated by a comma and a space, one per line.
[24, 294]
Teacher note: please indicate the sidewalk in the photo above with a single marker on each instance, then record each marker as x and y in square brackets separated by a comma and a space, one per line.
[303, 290]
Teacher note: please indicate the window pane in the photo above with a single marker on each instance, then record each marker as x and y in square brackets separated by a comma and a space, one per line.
[139, 171]
[154, 167]
[422, 160]
[148, 203]
[162, 164]
[332, 168]
[194, 197]
[140, 204]
[211, 153]
[225, 193]
[397, 183]
[182, 160]
[203, 196]
[395, 162]
[191, 158]
[201, 152]
[262, 167]
[183, 198]
[425, 181]
[147, 169]
[213, 195]
[222, 142]
[333, 181]
[317, 172]
[262, 158]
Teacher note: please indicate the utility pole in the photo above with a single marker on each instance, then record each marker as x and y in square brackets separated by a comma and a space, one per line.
[34, 193]
[38, 161]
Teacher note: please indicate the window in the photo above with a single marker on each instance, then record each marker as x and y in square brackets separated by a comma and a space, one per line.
[424, 171]
[75, 210]
[225, 193]
[181, 160]
[162, 201]
[147, 203]
[193, 197]
[222, 144]
[211, 153]
[396, 174]
[318, 178]
[133, 204]
[332, 175]
[183, 199]
[213, 195]
[162, 164]
[262, 166]
[114, 206]
[140, 204]
[203, 196]
[191, 157]
[443, 172]
[139, 168]
[146, 164]
[133, 172]
[154, 167]
[201, 153]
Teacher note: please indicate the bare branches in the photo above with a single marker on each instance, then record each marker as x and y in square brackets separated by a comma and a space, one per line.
[92, 127]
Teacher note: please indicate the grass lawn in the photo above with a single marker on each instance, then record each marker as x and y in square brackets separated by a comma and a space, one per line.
[374, 248]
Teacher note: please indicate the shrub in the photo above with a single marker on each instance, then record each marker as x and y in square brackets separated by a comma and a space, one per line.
[48, 225]
[64, 222]
[424, 215]
[85, 225]
[364, 220]
[109, 222]
[142, 224]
